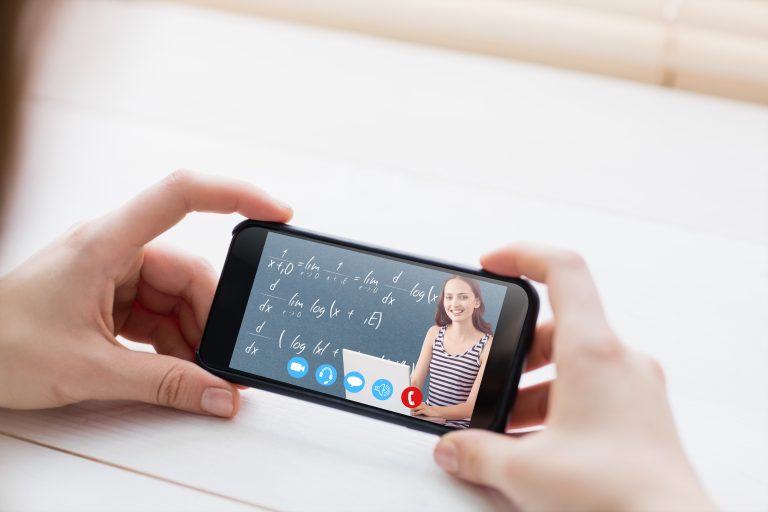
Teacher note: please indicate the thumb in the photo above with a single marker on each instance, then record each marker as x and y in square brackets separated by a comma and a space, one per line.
[170, 382]
[478, 456]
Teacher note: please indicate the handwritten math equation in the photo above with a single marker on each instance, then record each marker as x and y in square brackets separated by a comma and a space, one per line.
[367, 282]
[332, 298]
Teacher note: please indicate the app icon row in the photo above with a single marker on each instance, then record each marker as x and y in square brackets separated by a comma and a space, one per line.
[326, 374]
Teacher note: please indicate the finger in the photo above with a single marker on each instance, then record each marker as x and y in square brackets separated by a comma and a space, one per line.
[161, 206]
[175, 274]
[161, 331]
[477, 456]
[167, 381]
[189, 325]
[572, 292]
[173, 307]
[531, 407]
[541, 350]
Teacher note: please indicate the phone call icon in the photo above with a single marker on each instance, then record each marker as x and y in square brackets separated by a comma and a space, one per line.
[411, 397]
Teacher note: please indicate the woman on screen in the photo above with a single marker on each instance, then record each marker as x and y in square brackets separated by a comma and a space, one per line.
[454, 353]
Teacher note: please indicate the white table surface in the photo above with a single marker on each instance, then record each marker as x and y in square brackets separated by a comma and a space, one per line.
[425, 150]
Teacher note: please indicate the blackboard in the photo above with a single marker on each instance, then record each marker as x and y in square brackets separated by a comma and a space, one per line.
[312, 300]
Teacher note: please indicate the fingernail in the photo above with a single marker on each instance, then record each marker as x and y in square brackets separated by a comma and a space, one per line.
[218, 402]
[283, 204]
[445, 456]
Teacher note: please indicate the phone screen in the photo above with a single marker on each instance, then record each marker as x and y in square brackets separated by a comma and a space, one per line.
[404, 337]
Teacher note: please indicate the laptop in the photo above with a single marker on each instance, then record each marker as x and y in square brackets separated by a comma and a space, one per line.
[381, 384]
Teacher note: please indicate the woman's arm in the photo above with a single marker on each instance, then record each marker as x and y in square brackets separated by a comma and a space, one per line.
[419, 375]
[463, 410]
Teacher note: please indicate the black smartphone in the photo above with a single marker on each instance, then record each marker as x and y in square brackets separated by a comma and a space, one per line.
[424, 344]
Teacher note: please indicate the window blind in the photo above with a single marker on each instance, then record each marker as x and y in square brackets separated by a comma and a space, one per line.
[716, 47]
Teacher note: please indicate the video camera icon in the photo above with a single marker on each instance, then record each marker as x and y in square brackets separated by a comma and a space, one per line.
[298, 367]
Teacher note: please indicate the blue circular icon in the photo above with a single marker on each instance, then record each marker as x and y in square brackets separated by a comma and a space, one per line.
[298, 367]
[382, 389]
[354, 382]
[325, 375]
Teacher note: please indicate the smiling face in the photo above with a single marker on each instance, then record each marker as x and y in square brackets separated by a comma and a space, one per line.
[459, 301]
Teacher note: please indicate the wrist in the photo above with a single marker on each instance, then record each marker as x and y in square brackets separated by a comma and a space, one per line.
[672, 501]
[671, 491]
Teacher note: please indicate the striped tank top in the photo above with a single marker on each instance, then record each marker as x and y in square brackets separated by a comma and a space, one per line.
[451, 377]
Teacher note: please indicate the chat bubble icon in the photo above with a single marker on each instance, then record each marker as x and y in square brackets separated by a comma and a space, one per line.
[354, 382]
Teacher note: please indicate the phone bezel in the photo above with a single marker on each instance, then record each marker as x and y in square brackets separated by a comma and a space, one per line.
[503, 367]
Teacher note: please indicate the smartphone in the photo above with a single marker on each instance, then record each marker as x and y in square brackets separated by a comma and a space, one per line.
[425, 344]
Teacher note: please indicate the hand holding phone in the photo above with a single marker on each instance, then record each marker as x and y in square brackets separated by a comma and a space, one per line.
[63, 308]
[610, 441]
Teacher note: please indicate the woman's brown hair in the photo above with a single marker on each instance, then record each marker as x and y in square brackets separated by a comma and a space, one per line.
[10, 86]
[442, 318]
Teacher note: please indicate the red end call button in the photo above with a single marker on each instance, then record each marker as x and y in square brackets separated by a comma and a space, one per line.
[411, 397]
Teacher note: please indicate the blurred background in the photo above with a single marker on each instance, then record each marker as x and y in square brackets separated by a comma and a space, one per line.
[634, 131]
[714, 46]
